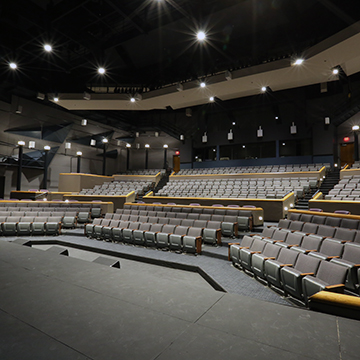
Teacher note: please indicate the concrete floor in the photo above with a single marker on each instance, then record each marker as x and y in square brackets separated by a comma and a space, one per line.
[58, 307]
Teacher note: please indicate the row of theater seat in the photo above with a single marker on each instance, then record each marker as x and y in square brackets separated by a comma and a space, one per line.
[240, 222]
[36, 226]
[166, 236]
[45, 204]
[40, 222]
[323, 220]
[255, 169]
[299, 264]
[144, 172]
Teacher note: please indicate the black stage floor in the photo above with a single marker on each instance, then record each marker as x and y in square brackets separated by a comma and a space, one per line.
[58, 307]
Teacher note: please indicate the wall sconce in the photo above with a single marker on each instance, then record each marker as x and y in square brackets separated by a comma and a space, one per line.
[31, 144]
[182, 137]
[260, 132]
[293, 129]
[67, 146]
[327, 120]
[138, 146]
[83, 122]
[230, 135]
[128, 145]
[147, 146]
[92, 142]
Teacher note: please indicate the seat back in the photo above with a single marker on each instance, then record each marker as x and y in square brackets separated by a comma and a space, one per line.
[331, 273]
[213, 225]
[163, 220]
[294, 239]
[156, 227]
[193, 216]
[133, 218]
[175, 221]
[284, 223]
[143, 219]
[181, 230]
[296, 225]
[187, 222]
[279, 235]
[320, 220]
[332, 221]
[194, 231]
[206, 217]
[287, 256]
[200, 224]
[125, 217]
[311, 242]
[268, 232]
[169, 229]
[310, 228]
[325, 230]
[219, 218]
[331, 248]
[271, 250]
[257, 245]
[123, 224]
[344, 234]
[307, 264]
[181, 215]
[114, 223]
[306, 217]
[145, 226]
[349, 223]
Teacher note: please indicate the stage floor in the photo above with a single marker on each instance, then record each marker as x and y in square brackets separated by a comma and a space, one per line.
[58, 307]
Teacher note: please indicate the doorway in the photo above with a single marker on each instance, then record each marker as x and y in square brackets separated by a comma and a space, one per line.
[346, 153]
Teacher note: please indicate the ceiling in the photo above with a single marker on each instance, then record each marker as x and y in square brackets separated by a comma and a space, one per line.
[148, 46]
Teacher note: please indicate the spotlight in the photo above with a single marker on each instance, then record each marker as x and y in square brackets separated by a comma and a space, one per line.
[202, 84]
[56, 99]
[132, 99]
[47, 47]
[201, 36]
[156, 134]
[263, 89]
[13, 66]
[293, 129]
[327, 120]
[230, 135]
[101, 70]
[211, 99]
[182, 137]
[260, 132]
[128, 145]
[234, 123]
[298, 62]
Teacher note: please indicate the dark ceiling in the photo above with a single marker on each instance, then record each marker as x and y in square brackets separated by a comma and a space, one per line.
[151, 43]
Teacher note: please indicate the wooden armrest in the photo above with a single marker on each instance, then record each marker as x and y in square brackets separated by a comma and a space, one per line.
[333, 257]
[234, 244]
[338, 288]
[305, 274]
[256, 252]
[290, 246]
[307, 251]
[288, 265]
[270, 258]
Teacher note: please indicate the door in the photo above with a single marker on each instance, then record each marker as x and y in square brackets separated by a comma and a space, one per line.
[176, 163]
[347, 153]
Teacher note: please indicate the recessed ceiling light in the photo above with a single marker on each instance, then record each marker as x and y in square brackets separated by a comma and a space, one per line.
[13, 65]
[132, 100]
[201, 36]
[47, 47]
[202, 84]
[335, 71]
[211, 99]
[101, 70]
[263, 89]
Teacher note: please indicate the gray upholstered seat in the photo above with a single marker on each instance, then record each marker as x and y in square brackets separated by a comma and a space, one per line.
[270, 252]
[192, 241]
[97, 231]
[246, 254]
[24, 226]
[175, 239]
[83, 217]
[328, 250]
[53, 225]
[138, 234]
[95, 212]
[89, 228]
[325, 231]
[291, 276]
[9, 227]
[38, 226]
[309, 243]
[292, 239]
[350, 259]
[150, 236]
[68, 222]
[286, 257]
[116, 232]
[234, 250]
[106, 232]
[212, 232]
[127, 233]
[330, 276]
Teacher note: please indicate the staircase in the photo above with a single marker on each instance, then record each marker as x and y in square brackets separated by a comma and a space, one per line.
[330, 181]
[163, 181]
[303, 203]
